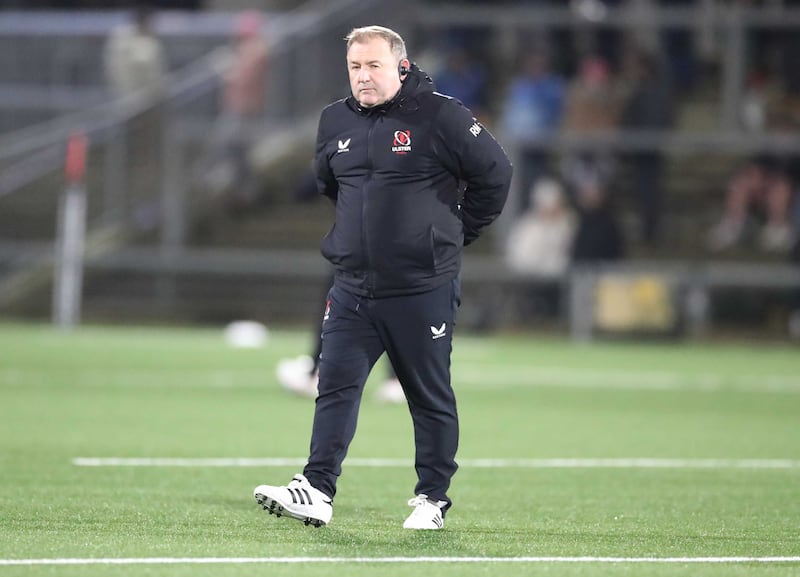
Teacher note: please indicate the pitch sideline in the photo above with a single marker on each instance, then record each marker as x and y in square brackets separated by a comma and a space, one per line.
[391, 560]
[562, 463]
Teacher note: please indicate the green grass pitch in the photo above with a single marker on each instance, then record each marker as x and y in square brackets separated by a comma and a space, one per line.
[718, 425]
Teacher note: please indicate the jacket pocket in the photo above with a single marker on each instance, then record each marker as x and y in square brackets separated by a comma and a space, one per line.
[444, 249]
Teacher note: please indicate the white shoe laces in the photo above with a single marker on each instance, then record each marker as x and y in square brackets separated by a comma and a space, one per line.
[418, 501]
[421, 500]
[297, 480]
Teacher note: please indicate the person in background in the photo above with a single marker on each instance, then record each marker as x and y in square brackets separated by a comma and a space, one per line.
[134, 57]
[648, 108]
[598, 236]
[229, 169]
[540, 239]
[539, 244]
[243, 96]
[465, 79]
[414, 178]
[135, 69]
[533, 108]
[593, 106]
[760, 190]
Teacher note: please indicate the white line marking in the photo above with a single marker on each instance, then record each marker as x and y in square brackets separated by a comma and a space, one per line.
[265, 560]
[643, 463]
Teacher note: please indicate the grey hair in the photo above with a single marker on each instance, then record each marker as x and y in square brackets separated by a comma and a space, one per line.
[396, 42]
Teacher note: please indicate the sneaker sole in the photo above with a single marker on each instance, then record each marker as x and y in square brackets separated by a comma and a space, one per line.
[274, 507]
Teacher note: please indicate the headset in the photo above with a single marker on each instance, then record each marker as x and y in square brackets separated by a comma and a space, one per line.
[403, 70]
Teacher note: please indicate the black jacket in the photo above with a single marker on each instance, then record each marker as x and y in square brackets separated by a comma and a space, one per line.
[394, 172]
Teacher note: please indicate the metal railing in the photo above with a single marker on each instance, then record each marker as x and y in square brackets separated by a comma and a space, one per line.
[142, 147]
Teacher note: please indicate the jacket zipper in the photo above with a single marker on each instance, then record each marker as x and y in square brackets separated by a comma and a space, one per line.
[364, 230]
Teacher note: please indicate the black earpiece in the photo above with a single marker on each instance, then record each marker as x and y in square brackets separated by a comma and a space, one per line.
[403, 70]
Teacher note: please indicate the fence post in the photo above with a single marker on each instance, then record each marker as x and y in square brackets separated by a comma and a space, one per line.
[733, 69]
[70, 238]
[582, 282]
[173, 207]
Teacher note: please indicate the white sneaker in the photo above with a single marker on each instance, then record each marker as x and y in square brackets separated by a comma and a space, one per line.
[391, 393]
[298, 500]
[296, 377]
[427, 514]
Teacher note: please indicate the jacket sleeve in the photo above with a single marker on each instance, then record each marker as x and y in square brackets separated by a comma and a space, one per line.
[326, 183]
[472, 154]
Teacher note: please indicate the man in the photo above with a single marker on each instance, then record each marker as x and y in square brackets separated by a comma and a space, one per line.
[134, 57]
[391, 157]
[243, 99]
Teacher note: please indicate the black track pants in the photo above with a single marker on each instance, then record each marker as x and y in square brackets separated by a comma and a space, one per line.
[416, 332]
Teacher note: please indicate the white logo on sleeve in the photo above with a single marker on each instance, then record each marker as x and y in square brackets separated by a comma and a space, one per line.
[344, 146]
[475, 129]
[440, 332]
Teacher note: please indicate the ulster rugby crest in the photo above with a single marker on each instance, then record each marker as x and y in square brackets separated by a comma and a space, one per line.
[402, 142]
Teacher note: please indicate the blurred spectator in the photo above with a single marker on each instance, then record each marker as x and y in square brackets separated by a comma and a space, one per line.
[464, 78]
[533, 109]
[593, 107]
[593, 98]
[134, 58]
[760, 191]
[135, 66]
[245, 80]
[243, 103]
[539, 245]
[540, 240]
[598, 236]
[755, 103]
[648, 108]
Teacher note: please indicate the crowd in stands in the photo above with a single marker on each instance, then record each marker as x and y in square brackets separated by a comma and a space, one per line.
[599, 82]
[575, 82]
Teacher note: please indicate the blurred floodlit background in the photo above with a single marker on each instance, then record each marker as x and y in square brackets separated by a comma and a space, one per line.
[655, 145]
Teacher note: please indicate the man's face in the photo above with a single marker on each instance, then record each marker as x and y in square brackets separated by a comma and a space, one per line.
[373, 72]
